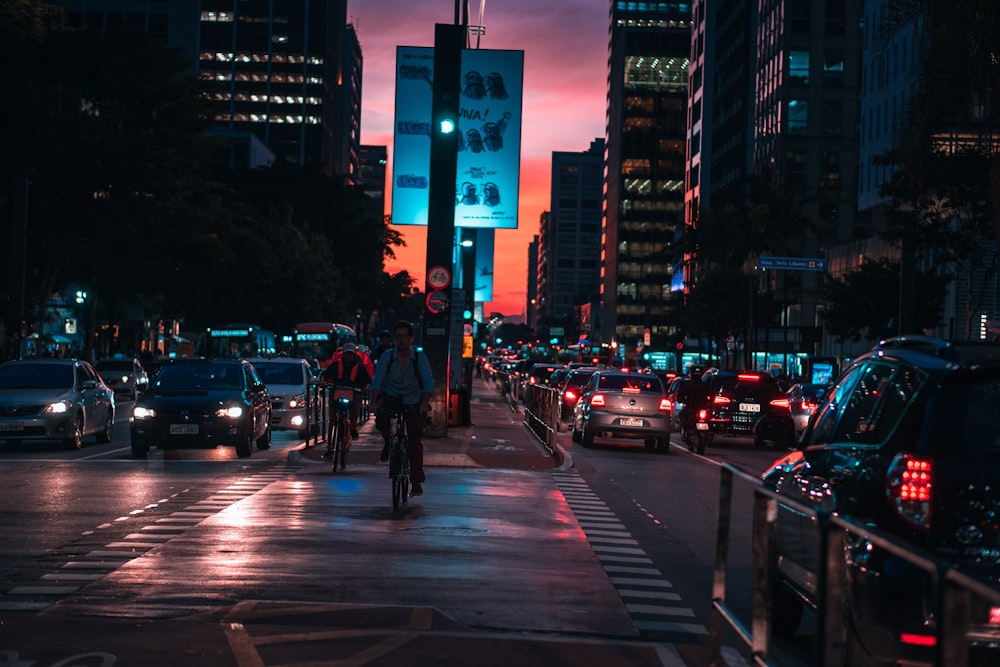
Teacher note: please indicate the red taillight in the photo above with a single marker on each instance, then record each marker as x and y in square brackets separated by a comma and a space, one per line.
[807, 406]
[721, 400]
[665, 405]
[532, 380]
[917, 640]
[994, 618]
[748, 376]
[570, 395]
[702, 415]
[631, 390]
[909, 483]
[597, 400]
[781, 404]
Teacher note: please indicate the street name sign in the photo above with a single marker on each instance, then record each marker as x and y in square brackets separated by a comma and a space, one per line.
[794, 263]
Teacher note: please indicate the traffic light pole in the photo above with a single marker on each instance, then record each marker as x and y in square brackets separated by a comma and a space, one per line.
[448, 43]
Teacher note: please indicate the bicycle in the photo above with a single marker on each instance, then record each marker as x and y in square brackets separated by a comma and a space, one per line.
[338, 439]
[399, 460]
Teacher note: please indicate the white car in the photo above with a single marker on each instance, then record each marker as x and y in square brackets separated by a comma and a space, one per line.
[123, 375]
[287, 380]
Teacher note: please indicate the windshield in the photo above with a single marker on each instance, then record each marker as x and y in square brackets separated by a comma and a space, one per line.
[36, 376]
[200, 376]
[642, 383]
[280, 373]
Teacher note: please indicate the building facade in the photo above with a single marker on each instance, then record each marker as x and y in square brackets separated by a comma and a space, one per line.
[648, 62]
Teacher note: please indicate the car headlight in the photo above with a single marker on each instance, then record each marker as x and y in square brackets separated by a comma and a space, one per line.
[124, 379]
[140, 412]
[233, 412]
[297, 401]
[57, 408]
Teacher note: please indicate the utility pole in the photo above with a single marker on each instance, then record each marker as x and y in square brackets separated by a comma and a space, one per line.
[448, 43]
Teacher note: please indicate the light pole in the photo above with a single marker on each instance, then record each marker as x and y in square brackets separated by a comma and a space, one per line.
[81, 300]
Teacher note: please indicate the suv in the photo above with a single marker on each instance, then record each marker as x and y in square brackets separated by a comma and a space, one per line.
[747, 404]
[907, 441]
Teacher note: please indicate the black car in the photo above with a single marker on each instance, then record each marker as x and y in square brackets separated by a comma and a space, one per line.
[203, 403]
[744, 404]
[907, 441]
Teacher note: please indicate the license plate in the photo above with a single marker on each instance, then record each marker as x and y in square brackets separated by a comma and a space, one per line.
[701, 426]
[749, 407]
[183, 429]
[630, 422]
[11, 426]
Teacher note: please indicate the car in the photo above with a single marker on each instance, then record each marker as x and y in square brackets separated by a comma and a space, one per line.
[124, 375]
[195, 402]
[676, 390]
[907, 441]
[287, 380]
[540, 373]
[745, 403]
[803, 397]
[56, 399]
[570, 389]
[622, 405]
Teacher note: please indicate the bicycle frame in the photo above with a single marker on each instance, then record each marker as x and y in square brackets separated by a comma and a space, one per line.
[399, 460]
[339, 437]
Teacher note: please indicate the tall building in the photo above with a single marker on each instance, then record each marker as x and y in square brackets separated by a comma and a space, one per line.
[372, 163]
[569, 236]
[288, 71]
[531, 310]
[649, 55]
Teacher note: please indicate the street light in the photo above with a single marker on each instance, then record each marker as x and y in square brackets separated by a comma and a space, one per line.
[81, 299]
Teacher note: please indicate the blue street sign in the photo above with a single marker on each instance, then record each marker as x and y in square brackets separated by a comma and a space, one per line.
[794, 263]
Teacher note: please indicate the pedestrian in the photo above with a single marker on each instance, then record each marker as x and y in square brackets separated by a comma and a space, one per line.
[403, 381]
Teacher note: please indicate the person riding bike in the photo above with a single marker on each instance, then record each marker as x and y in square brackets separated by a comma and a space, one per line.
[403, 381]
[348, 369]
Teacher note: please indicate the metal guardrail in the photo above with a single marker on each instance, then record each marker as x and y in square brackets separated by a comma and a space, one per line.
[541, 413]
[954, 589]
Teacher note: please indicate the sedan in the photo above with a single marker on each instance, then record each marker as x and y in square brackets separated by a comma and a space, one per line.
[124, 376]
[203, 403]
[287, 380]
[624, 405]
[54, 399]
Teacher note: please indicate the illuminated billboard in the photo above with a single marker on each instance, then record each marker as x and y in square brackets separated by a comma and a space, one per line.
[489, 147]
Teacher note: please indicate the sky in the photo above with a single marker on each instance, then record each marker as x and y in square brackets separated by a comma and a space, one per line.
[565, 44]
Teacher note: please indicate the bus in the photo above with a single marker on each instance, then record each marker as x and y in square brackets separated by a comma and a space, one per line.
[319, 340]
[233, 341]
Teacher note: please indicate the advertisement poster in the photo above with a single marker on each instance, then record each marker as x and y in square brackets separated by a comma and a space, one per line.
[489, 126]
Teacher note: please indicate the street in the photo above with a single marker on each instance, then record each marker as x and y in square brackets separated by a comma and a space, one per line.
[608, 549]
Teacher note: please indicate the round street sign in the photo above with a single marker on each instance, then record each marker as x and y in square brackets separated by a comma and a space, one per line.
[437, 302]
[438, 276]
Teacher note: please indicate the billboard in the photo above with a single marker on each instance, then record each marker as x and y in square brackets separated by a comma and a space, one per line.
[489, 147]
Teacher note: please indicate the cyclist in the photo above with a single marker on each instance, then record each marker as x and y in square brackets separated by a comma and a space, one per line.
[403, 380]
[384, 343]
[348, 369]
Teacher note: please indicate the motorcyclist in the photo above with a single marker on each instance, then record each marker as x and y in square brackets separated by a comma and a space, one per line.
[695, 395]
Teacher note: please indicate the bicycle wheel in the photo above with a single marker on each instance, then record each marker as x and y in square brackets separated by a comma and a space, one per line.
[340, 457]
[398, 491]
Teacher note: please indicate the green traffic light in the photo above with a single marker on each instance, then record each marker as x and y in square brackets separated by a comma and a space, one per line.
[467, 314]
[447, 126]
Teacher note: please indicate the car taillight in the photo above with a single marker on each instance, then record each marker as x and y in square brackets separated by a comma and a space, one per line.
[570, 395]
[597, 400]
[994, 618]
[781, 404]
[532, 380]
[702, 415]
[909, 483]
[665, 405]
[744, 377]
[721, 400]
[807, 406]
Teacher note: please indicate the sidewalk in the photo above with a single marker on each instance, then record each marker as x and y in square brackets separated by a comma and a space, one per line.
[497, 438]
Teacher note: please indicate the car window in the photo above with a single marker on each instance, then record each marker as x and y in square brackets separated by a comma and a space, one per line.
[857, 421]
[829, 410]
[972, 426]
[620, 382]
[36, 376]
[280, 373]
[897, 399]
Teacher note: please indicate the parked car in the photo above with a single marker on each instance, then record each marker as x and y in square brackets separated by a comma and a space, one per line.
[623, 405]
[745, 404]
[123, 375]
[802, 401]
[54, 399]
[907, 441]
[196, 402]
[287, 380]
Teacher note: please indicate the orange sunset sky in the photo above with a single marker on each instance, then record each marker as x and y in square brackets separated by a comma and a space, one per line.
[565, 83]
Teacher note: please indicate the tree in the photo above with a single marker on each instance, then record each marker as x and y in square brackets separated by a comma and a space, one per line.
[862, 304]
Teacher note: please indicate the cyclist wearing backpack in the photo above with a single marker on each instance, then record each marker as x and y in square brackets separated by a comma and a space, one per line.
[349, 369]
[403, 380]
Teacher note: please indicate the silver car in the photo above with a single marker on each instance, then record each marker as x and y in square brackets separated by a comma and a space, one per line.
[623, 405]
[287, 380]
[124, 376]
[54, 399]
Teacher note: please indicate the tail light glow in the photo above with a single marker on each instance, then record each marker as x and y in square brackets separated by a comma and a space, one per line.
[702, 415]
[748, 376]
[721, 400]
[918, 640]
[570, 395]
[664, 405]
[909, 487]
[781, 403]
[994, 618]
[597, 400]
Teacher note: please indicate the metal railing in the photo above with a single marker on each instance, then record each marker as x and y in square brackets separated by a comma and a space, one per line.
[955, 590]
[541, 413]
